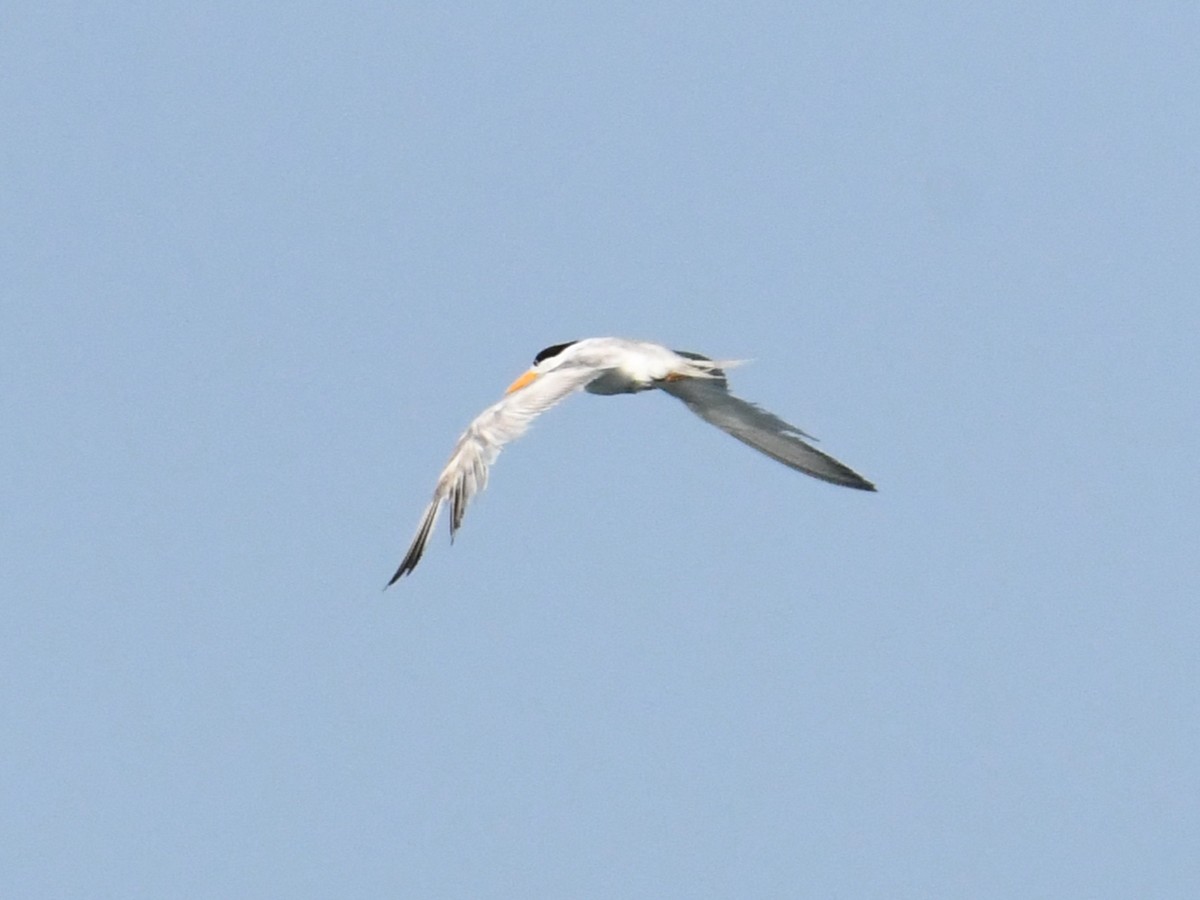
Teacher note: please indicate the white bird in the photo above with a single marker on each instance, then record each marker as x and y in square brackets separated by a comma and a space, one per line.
[613, 366]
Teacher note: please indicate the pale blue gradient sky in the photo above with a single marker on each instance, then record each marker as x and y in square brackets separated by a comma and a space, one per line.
[261, 264]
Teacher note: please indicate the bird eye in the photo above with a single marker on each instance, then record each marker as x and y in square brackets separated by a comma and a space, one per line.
[552, 351]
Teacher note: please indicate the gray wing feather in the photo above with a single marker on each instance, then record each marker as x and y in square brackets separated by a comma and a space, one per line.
[709, 398]
[466, 474]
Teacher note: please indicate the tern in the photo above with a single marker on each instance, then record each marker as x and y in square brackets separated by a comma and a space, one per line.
[614, 366]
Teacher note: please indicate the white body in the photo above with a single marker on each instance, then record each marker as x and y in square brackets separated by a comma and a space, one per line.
[613, 366]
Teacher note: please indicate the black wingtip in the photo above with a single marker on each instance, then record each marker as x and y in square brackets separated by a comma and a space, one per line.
[400, 573]
[856, 482]
[410, 562]
[417, 549]
[406, 568]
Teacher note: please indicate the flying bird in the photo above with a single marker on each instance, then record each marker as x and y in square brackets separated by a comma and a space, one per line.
[613, 366]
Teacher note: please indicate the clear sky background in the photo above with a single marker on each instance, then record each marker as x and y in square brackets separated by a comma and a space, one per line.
[261, 263]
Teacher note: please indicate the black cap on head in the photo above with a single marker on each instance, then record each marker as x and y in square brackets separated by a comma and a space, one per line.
[552, 351]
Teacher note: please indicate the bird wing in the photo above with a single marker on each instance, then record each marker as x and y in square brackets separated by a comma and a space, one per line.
[466, 473]
[709, 398]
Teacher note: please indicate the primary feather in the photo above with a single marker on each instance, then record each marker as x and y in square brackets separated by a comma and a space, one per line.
[466, 473]
[710, 399]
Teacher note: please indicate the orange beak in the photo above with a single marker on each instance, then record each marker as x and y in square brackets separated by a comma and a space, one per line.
[522, 381]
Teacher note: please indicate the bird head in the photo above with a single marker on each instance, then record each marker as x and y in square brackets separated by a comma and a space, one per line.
[545, 360]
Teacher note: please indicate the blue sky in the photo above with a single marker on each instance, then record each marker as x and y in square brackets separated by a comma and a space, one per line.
[262, 264]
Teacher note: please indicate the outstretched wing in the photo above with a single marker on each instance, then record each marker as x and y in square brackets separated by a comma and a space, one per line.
[466, 473]
[709, 398]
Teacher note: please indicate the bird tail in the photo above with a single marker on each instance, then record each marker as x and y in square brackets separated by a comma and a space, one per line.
[709, 368]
